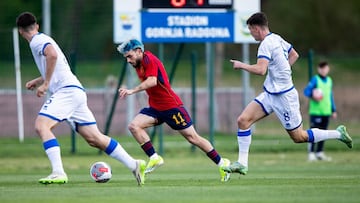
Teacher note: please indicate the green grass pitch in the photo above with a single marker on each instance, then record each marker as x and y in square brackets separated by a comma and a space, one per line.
[278, 172]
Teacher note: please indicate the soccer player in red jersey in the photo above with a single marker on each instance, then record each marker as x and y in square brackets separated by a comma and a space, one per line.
[164, 106]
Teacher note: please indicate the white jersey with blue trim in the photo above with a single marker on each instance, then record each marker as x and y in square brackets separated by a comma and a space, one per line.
[62, 75]
[275, 49]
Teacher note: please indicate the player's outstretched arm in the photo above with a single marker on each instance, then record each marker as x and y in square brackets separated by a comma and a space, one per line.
[146, 84]
[259, 68]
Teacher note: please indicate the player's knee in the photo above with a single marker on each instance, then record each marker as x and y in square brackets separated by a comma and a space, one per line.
[132, 127]
[96, 142]
[192, 140]
[298, 139]
[243, 122]
[295, 139]
[92, 143]
[40, 129]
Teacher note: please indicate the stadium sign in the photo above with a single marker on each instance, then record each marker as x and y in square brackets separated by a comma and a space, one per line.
[187, 27]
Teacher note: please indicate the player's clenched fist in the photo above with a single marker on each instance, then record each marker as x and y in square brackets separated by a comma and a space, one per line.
[123, 92]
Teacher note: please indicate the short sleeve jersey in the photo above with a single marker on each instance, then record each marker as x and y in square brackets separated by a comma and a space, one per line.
[161, 97]
[275, 49]
[62, 75]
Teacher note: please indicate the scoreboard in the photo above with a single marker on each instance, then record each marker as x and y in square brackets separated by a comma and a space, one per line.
[197, 4]
[189, 21]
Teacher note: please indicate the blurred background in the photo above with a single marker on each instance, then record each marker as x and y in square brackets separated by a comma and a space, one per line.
[319, 30]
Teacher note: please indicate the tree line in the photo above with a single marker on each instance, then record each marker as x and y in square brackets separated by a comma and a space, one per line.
[86, 26]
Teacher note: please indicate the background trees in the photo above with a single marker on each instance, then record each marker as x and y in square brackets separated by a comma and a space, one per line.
[330, 27]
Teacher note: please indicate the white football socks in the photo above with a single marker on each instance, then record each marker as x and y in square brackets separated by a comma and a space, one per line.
[321, 135]
[244, 146]
[121, 155]
[54, 156]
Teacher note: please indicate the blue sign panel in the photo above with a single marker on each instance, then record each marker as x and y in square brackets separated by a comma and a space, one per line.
[187, 26]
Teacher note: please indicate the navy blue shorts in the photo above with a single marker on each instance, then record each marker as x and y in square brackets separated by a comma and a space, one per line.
[177, 118]
[321, 122]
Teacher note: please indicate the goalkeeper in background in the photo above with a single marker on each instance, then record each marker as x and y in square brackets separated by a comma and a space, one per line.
[321, 107]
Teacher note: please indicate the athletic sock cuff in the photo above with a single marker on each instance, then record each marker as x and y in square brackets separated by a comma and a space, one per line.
[111, 147]
[50, 143]
[242, 133]
[310, 136]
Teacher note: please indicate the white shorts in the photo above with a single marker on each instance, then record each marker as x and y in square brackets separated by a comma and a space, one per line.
[286, 107]
[68, 103]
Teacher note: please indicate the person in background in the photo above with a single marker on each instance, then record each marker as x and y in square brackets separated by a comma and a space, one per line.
[165, 106]
[321, 107]
[67, 101]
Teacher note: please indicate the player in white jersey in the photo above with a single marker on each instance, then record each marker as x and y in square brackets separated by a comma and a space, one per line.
[275, 57]
[68, 101]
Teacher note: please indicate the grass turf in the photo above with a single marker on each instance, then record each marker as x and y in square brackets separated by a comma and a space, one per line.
[281, 175]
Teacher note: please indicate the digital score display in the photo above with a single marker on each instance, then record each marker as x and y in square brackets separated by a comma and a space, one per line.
[193, 4]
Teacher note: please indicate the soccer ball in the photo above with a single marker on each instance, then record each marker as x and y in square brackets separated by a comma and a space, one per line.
[100, 172]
